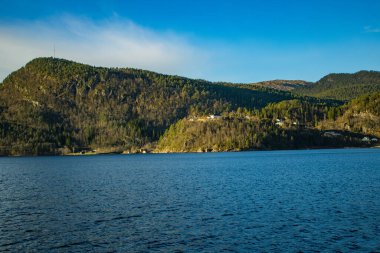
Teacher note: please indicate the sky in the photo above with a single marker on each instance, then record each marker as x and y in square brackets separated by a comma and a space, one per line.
[233, 41]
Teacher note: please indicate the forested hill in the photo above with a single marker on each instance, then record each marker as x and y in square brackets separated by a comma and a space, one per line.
[54, 103]
[343, 86]
[360, 115]
[288, 124]
[56, 106]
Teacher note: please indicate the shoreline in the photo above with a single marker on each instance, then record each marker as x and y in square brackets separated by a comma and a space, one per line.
[181, 152]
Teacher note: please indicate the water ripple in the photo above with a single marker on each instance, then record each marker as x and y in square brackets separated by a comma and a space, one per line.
[292, 201]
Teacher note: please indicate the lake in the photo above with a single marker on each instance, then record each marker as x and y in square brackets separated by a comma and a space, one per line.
[288, 201]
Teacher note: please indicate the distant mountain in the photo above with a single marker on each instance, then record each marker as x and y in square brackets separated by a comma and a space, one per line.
[343, 86]
[284, 85]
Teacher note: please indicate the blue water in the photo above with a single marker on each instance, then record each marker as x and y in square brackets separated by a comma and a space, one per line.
[288, 201]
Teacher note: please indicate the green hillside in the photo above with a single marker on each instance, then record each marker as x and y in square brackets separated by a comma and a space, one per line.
[284, 125]
[51, 104]
[289, 124]
[361, 115]
[343, 86]
[56, 106]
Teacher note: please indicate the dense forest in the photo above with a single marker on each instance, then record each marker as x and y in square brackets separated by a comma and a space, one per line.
[56, 106]
[236, 134]
[361, 115]
[291, 124]
[343, 86]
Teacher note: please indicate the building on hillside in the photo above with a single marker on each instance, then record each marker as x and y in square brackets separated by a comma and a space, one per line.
[212, 116]
[365, 138]
[331, 134]
[279, 122]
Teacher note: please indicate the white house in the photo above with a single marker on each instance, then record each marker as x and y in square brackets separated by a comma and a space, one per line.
[212, 116]
[331, 134]
[279, 122]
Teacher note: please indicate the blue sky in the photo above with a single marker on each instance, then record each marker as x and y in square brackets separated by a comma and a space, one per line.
[237, 41]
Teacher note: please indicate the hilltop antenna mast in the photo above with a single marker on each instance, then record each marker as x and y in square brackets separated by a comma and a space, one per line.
[54, 50]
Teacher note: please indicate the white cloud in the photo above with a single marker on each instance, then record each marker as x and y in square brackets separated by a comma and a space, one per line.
[119, 43]
[112, 43]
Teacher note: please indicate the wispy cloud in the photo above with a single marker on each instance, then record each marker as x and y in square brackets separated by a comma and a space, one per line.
[370, 29]
[117, 42]
[113, 43]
